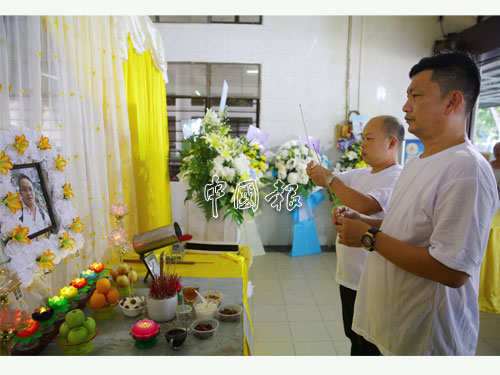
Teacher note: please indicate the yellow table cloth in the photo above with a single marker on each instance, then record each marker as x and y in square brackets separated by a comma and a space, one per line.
[489, 282]
[225, 265]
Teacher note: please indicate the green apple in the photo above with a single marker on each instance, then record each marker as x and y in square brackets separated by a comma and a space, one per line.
[63, 330]
[77, 335]
[89, 323]
[75, 318]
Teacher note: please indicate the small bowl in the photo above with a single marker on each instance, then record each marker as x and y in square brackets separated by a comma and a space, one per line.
[202, 335]
[132, 309]
[228, 317]
[214, 294]
[205, 313]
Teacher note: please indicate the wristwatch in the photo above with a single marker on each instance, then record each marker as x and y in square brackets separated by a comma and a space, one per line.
[329, 181]
[368, 239]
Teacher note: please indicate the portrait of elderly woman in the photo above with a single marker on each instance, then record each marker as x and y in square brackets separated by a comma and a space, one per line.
[36, 213]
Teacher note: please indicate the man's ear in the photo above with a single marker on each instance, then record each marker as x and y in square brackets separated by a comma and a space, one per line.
[393, 142]
[455, 99]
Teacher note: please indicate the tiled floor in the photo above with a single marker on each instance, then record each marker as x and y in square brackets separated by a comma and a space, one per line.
[296, 308]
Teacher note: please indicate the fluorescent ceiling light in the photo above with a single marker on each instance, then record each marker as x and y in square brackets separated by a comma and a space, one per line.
[49, 76]
[197, 92]
[250, 71]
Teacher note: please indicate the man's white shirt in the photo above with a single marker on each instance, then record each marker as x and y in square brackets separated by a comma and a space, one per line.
[444, 202]
[350, 260]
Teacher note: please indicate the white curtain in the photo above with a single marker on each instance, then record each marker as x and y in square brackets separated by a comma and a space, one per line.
[61, 75]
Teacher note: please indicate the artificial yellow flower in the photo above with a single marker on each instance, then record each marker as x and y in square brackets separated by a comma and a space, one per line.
[5, 163]
[60, 163]
[68, 193]
[44, 143]
[19, 234]
[77, 226]
[21, 144]
[263, 157]
[12, 202]
[66, 241]
[262, 165]
[47, 260]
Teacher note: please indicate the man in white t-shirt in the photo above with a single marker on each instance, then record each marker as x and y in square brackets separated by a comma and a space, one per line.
[366, 190]
[418, 294]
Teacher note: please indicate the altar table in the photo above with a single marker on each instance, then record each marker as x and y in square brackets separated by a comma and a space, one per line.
[224, 265]
[114, 338]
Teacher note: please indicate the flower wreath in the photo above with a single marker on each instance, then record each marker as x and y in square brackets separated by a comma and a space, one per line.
[32, 257]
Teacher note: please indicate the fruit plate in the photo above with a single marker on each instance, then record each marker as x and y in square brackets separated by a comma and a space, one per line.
[105, 313]
[83, 348]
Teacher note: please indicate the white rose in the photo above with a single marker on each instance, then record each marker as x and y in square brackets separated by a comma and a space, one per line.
[282, 174]
[228, 174]
[293, 178]
[352, 155]
[241, 164]
[303, 179]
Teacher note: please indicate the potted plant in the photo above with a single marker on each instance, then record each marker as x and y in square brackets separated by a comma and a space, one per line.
[162, 298]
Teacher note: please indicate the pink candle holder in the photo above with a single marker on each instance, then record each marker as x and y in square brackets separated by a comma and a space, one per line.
[144, 329]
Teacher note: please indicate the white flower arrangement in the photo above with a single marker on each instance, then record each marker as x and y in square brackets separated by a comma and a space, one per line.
[290, 162]
[214, 152]
[23, 146]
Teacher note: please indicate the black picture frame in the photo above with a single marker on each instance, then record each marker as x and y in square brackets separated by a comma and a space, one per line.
[39, 181]
[152, 264]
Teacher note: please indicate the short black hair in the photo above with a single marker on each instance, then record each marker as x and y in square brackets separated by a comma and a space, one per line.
[20, 177]
[393, 128]
[453, 71]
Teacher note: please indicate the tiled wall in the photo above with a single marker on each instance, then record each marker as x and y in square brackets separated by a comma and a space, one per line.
[303, 61]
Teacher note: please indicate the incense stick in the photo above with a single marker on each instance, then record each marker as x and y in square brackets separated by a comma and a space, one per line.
[316, 153]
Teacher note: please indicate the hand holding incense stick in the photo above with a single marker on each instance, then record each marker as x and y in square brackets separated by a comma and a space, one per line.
[315, 152]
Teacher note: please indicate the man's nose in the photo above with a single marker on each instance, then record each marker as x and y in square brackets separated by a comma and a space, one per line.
[406, 107]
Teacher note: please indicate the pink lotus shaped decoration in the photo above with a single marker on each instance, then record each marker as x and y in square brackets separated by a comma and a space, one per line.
[144, 329]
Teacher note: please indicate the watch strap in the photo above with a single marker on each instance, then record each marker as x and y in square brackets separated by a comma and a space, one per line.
[329, 181]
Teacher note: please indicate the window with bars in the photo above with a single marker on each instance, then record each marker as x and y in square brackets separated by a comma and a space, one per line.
[244, 20]
[487, 122]
[195, 87]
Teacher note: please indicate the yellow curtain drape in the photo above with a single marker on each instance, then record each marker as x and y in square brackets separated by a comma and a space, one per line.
[147, 111]
[489, 281]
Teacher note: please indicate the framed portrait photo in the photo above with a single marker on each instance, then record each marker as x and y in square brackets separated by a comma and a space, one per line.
[37, 213]
[152, 265]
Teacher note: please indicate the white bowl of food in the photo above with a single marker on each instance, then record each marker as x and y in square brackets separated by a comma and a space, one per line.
[132, 306]
[214, 294]
[205, 309]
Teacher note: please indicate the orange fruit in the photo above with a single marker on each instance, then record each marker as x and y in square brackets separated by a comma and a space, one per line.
[103, 285]
[97, 301]
[112, 296]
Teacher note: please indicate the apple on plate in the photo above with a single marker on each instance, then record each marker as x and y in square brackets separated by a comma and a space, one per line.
[64, 330]
[114, 274]
[89, 323]
[122, 281]
[122, 269]
[132, 276]
[75, 318]
[77, 335]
